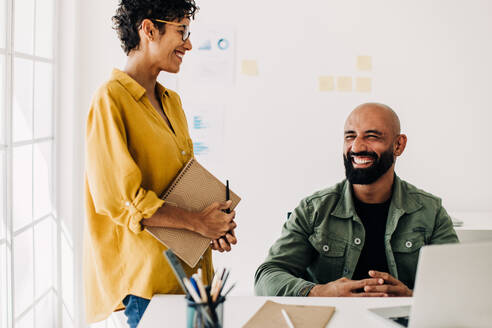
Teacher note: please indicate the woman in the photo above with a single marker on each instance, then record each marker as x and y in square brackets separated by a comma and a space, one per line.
[137, 141]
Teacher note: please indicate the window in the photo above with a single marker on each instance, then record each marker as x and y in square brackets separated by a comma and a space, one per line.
[29, 227]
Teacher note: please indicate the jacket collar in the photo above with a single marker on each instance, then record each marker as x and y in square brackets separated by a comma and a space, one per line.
[401, 200]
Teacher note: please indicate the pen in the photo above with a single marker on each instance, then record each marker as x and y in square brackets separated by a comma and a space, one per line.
[191, 290]
[228, 196]
[224, 281]
[287, 319]
[199, 282]
[229, 290]
[195, 286]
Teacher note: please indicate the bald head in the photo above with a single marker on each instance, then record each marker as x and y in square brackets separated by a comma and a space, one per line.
[376, 114]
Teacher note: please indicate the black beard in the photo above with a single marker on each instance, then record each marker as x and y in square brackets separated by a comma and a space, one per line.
[372, 173]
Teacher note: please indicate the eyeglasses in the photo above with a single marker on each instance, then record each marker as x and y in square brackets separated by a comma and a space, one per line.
[185, 33]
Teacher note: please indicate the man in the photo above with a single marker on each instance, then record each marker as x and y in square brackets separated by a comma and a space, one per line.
[362, 236]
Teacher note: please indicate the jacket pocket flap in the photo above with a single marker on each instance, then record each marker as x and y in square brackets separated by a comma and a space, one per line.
[408, 242]
[328, 247]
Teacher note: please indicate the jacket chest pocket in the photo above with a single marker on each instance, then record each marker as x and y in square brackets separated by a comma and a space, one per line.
[406, 247]
[331, 258]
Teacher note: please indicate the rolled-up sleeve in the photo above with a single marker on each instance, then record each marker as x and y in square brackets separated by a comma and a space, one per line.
[113, 176]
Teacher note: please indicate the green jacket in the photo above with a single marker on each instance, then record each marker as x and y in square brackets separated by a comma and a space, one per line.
[323, 239]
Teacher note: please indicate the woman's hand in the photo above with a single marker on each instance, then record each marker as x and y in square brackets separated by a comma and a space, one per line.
[224, 243]
[213, 222]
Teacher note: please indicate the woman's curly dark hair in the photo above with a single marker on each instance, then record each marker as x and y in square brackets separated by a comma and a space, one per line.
[131, 13]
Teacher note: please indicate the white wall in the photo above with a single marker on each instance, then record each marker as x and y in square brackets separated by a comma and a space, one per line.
[431, 63]
[82, 67]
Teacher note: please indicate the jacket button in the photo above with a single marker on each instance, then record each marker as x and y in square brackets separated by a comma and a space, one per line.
[326, 248]
[127, 204]
[357, 241]
[408, 244]
[345, 270]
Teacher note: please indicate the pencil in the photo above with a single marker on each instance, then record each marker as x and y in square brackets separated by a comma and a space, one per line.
[214, 281]
[215, 294]
[287, 319]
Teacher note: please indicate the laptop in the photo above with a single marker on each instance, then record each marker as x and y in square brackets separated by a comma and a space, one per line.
[453, 288]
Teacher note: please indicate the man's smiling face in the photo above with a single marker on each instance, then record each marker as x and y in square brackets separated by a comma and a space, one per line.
[369, 143]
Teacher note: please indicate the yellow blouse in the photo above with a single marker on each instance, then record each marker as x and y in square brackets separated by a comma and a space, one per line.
[131, 157]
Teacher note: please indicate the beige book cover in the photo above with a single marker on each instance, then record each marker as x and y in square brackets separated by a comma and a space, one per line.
[193, 189]
[302, 316]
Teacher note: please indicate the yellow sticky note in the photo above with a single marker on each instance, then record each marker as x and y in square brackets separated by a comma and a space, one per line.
[364, 63]
[326, 83]
[363, 84]
[249, 67]
[344, 83]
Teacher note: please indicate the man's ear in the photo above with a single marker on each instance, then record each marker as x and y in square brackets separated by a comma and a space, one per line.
[400, 144]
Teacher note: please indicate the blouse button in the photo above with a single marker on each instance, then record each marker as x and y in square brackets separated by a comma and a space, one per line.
[357, 241]
[408, 244]
[326, 248]
[127, 203]
[183, 153]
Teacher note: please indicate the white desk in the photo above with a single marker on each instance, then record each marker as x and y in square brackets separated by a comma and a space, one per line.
[170, 310]
[477, 226]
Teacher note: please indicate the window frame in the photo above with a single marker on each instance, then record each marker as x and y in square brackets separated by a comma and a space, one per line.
[7, 147]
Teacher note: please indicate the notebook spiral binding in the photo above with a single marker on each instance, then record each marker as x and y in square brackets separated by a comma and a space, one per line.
[178, 178]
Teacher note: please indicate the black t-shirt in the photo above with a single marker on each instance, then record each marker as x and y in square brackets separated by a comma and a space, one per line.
[373, 256]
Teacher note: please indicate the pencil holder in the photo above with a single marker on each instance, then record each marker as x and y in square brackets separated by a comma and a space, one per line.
[205, 315]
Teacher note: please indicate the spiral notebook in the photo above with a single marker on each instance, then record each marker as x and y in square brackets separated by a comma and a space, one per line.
[193, 189]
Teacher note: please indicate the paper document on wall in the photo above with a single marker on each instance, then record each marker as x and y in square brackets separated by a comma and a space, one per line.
[212, 60]
[206, 126]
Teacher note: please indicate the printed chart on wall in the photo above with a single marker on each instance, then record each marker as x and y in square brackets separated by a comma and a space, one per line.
[211, 62]
[206, 125]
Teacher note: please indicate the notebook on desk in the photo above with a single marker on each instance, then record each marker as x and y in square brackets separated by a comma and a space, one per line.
[452, 289]
[302, 316]
[193, 189]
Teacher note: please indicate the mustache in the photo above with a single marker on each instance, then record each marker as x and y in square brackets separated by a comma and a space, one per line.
[363, 153]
